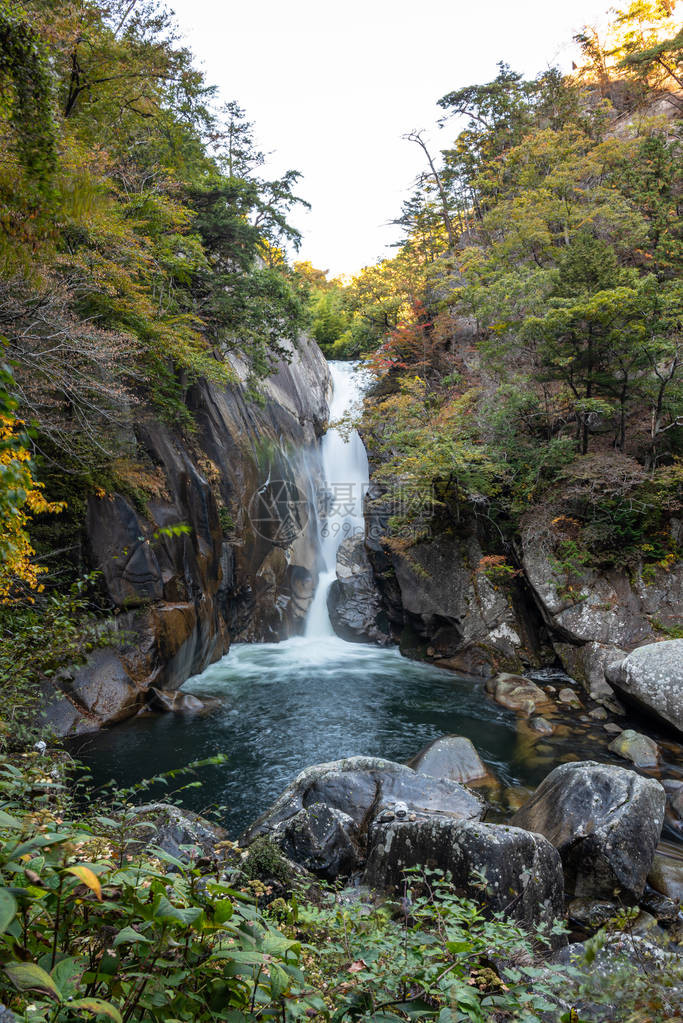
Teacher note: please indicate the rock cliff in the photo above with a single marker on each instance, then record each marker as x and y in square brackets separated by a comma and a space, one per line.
[225, 548]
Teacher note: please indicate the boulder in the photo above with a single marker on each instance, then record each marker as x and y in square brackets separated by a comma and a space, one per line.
[453, 757]
[639, 749]
[569, 698]
[177, 831]
[102, 689]
[587, 664]
[518, 693]
[364, 788]
[353, 601]
[523, 871]
[666, 877]
[604, 820]
[323, 840]
[652, 678]
[184, 703]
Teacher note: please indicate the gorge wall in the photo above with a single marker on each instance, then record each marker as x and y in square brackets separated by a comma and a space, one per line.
[222, 550]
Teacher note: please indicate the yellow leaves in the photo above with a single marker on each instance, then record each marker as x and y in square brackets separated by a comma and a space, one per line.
[21, 500]
[87, 877]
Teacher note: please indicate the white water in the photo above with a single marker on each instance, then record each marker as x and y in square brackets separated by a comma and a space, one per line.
[345, 467]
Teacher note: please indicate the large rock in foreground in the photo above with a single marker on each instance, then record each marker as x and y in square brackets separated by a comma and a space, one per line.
[363, 789]
[605, 822]
[323, 840]
[652, 676]
[523, 871]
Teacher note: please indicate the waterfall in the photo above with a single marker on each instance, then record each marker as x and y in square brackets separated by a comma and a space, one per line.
[345, 470]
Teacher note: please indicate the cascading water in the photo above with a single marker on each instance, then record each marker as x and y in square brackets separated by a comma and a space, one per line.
[279, 707]
[345, 468]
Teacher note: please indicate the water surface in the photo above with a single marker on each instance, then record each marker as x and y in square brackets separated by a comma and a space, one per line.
[284, 706]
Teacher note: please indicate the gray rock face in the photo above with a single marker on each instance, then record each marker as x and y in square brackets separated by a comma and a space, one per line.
[652, 676]
[603, 607]
[172, 829]
[639, 749]
[186, 595]
[523, 871]
[605, 822]
[363, 789]
[323, 840]
[353, 601]
[437, 600]
[587, 665]
[453, 757]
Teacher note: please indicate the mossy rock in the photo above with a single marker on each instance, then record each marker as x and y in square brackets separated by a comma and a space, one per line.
[266, 862]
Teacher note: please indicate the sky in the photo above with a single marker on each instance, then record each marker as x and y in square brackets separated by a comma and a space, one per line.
[332, 87]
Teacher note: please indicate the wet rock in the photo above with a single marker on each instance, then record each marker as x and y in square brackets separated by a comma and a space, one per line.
[569, 698]
[604, 820]
[323, 840]
[518, 693]
[675, 794]
[516, 796]
[523, 871]
[612, 728]
[666, 877]
[453, 757]
[120, 542]
[353, 600]
[639, 749]
[364, 788]
[598, 714]
[179, 832]
[183, 703]
[652, 677]
[541, 725]
[184, 595]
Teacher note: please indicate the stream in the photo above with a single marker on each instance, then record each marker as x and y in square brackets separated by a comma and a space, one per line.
[280, 707]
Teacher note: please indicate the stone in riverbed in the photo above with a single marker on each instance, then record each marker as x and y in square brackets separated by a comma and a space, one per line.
[639, 749]
[604, 820]
[652, 677]
[666, 877]
[523, 871]
[518, 693]
[541, 725]
[186, 703]
[569, 698]
[453, 757]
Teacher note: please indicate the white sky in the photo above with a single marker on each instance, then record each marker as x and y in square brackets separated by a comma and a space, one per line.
[331, 88]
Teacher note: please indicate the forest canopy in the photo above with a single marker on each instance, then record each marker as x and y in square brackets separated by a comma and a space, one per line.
[526, 338]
